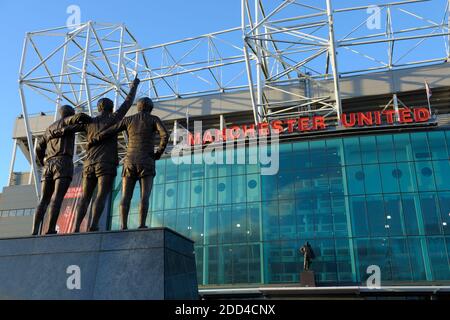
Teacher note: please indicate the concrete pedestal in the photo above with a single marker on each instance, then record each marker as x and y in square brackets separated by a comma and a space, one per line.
[153, 264]
[307, 279]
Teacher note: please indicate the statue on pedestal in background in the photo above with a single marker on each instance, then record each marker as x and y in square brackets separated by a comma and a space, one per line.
[308, 255]
[55, 155]
[139, 163]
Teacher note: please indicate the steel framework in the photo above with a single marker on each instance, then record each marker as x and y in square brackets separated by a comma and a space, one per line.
[301, 49]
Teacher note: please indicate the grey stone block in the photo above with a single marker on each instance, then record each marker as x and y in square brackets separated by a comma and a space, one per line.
[151, 264]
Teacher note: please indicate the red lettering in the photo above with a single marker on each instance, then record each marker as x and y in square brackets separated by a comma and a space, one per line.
[195, 139]
[249, 131]
[421, 115]
[277, 126]
[235, 132]
[319, 123]
[290, 123]
[405, 116]
[303, 124]
[365, 119]
[207, 137]
[263, 129]
[351, 122]
[389, 116]
[377, 115]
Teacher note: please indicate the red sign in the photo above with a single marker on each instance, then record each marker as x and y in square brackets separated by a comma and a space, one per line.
[307, 124]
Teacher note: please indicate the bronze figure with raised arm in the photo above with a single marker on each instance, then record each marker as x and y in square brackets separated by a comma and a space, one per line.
[139, 163]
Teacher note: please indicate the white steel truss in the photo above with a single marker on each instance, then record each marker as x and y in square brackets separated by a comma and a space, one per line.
[297, 49]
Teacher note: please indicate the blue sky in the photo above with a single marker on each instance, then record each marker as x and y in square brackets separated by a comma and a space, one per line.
[151, 22]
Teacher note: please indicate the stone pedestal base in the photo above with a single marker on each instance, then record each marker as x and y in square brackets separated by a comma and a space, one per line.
[307, 279]
[151, 264]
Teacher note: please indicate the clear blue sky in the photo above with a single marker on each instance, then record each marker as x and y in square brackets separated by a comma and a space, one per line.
[151, 22]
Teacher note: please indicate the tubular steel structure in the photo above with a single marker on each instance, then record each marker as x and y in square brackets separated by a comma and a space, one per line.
[284, 46]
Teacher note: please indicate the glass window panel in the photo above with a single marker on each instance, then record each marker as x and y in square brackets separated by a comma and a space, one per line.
[197, 166]
[425, 176]
[340, 215]
[336, 180]
[272, 262]
[157, 197]
[386, 150]
[447, 138]
[343, 261]
[301, 153]
[286, 186]
[402, 145]
[254, 264]
[352, 151]
[442, 174]
[335, 152]
[157, 219]
[269, 185]
[225, 168]
[253, 222]
[303, 183]
[406, 176]
[412, 213]
[376, 216]
[389, 177]
[253, 188]
[372, 179]
[211, 169]
[319, 180]
[355, 179]
[240, 264]
[323, 216]
[368, 149]
[252, 159]
[318, 153]
[160, 171]
[224, 190]
[211, 227]
[399, 258]
[416, 249]
[199, 258]
[288, 228]
[239, 188]
[196, 225]
[305, 216]
[170, 201]
[225, 265]
[324, 264]
[238, 167]
[170, 219]
[211, 191]
[213, 264]
[436, 141]
[430, 213]
[360, 224]
[184, 168]
[196, 193]
[444, 204]
[239, 223]
[394, 215]
[182, 225]
[183, 197]
[438, 258]
[171, 171]
[271, 228]
[419, 144]
[224, 224]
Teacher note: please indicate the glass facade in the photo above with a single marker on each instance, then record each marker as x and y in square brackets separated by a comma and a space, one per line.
[360, 200]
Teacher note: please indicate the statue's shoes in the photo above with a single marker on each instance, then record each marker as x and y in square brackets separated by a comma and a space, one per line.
[143, 227]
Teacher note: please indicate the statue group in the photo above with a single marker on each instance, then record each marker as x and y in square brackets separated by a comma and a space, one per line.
[54, 152]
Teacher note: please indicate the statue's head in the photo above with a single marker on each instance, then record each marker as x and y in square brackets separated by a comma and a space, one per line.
[145, 104]
[66, 111]
[105, 105]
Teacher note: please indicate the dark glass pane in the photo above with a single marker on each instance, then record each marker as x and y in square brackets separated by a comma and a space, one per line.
[335, 152]
[269, 187]
[336, 180]
[288, 229]
[240, 264]
[253, 222]
[442, 174]
[211, 225]
[286, 186]
[368, 149]
[170, 201]
[437, 143]
[378, 225]
[406, 176]
[419, 144]
[324, 264]
[444, 205]
[239, 223]
[271, 228]
[438, 258]
[196, 225]
[430, 213]
[386, 150]
[318, 154]
[184, 194]
[372, 179]
[224, 190]
[184, 168]
[254, 265]
[211, 191]
[160, 172]
[272, 262]
[323, 216]
[401, 269]
[157, 197]
[389, 177]
[355, 180]
[182, 224]
[425, 176]
[224, 224]
[212, 259]
[157, 219]
[394, 215]
[402, 146]
[253, 187]
[340, 216]
[239, 188]
[360, 224]
[352, 151]
[170, 219]
[305, 216]
[417, 247]
[225, 264]
[196, 193]
[344, 261]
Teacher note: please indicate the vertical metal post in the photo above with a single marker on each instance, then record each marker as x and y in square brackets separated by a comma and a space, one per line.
[13, 160]
[332, 53]
[119, 68]
[259, 84]
[395, 100]
[26, 120]
[30, 178]
[222, 123]
[63, 70]
[83, 73]
[175, 132]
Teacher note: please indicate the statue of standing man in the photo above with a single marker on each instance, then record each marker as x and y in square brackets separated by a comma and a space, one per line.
[139, 163]
[308, 255]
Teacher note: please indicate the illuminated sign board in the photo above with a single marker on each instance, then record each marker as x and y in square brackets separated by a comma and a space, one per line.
[310, 124]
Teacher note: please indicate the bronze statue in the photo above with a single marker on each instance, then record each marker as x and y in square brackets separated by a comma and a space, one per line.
[100, 164]
[308, 255]
[139, 163]
[55, 155]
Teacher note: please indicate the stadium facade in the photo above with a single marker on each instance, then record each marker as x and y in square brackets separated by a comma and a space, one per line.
[368, 185]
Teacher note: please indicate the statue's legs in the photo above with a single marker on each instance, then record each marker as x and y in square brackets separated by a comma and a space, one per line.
[146, 184]
[105, 184]
[89, 184]
[47, 188]
[61, 186]
[128, 184]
